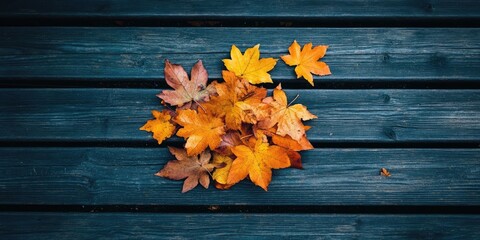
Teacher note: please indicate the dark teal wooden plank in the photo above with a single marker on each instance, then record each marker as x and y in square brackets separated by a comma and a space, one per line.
[303, 9]
[355, 54]
[343, 115]
[236, 226]
[103, 176]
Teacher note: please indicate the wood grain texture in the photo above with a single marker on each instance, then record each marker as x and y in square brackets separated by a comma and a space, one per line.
[125, 176]
[343, 115]
[355, 54]
[41, 177]
[236, 226]
[303, 9]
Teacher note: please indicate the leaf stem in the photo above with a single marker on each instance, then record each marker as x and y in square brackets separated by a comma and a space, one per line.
[207, 171]
[200, 105]
[296, 97]
[247, 136]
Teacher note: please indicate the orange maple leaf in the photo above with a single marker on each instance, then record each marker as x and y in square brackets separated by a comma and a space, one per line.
[249, 65]
[237, 101]
[194, 168]
[186, 91]
[288, 142]
[289, 118]
[306, 61]
[161, 126]
[200, 130]
[292, 147]
[257, 162]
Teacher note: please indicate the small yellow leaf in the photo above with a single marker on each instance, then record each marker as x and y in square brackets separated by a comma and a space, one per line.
[161, 126]
[221, 174]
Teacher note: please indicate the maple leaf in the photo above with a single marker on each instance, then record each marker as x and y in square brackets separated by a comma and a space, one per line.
[257, 163]
[186, 91]
[249, 65]
[194, 168]
[289, 118]
[237, 101]
[161, 126]
[306, 61]
[287, 141]
[200, 130]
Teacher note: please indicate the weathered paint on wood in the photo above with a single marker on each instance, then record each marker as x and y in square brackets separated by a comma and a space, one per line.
[106, 176]
[343, 115]
[236, 226]
[224, 9]
[355, 54]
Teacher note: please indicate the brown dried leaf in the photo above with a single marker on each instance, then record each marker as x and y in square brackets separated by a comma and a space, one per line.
[194, 169]
[186, 91]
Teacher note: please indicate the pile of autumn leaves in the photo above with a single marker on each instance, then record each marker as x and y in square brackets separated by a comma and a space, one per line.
[232, 128]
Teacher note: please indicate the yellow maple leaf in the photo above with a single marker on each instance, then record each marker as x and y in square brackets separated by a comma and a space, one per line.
[161, 126]
[249, 65]
[306, 60]
[200, 130]
[257, 163]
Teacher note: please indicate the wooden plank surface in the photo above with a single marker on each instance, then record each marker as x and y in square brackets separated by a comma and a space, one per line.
[104, 176]
[303, 9]
[51, 176]
[355, 54]
[17, 225]
[343, 115]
